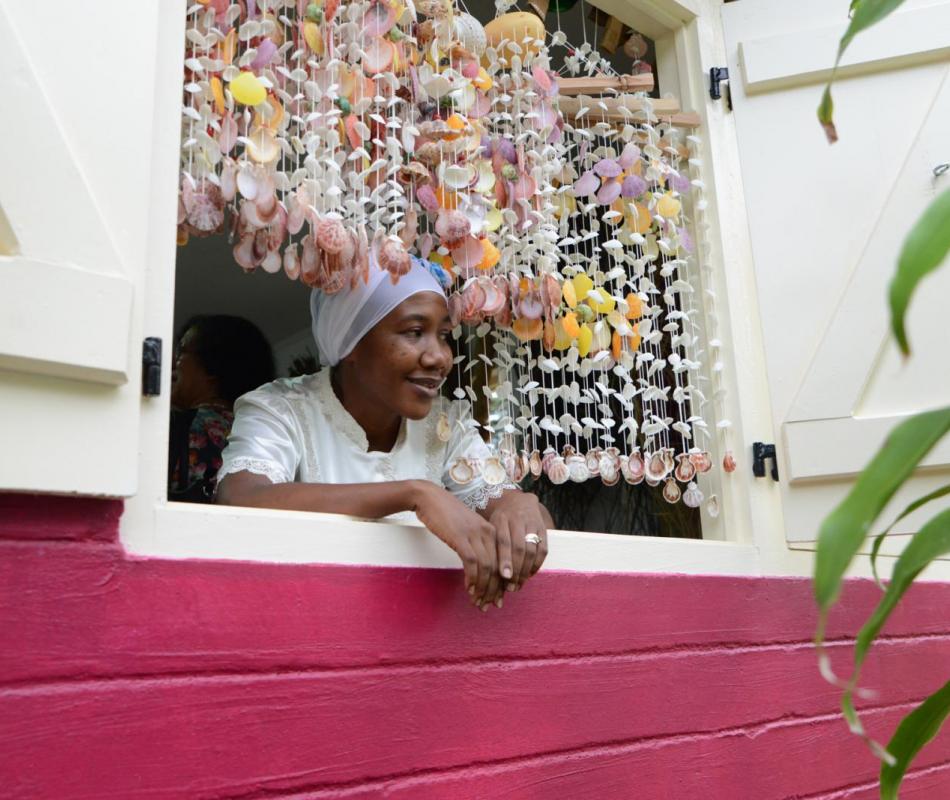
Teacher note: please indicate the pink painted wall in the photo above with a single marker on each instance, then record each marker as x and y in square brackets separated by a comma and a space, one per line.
[128, 678]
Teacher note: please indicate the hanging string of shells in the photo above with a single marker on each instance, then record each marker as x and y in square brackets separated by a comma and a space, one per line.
[553, 207]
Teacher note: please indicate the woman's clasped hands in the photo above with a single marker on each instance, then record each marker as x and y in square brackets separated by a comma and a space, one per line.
[500, 548]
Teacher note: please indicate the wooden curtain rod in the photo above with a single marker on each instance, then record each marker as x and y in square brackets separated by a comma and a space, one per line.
[604, 83]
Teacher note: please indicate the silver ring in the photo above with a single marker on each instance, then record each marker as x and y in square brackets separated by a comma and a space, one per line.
[532, 538]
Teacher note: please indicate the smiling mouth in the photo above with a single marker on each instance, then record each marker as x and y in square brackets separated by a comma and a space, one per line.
[429, 386]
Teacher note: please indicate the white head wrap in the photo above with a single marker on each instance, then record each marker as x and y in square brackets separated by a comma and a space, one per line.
[340, 320]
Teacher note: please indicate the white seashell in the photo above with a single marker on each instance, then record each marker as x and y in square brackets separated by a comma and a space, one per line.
[493, 472]
[693, 496]
[461, 471]
[556, 469]
[534, 463]
[577, 468]
[632, 467]
[442, 428]
[712, 506]
[655, 470]
[610, 466]
[592, 460]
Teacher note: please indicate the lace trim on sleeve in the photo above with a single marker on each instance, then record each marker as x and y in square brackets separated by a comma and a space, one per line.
[268, 469]
[484, 494]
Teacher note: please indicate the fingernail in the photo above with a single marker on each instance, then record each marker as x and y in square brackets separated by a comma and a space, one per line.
[499, 602]
[506, 572]
[471, 590]
[485, 607]
[512, 587]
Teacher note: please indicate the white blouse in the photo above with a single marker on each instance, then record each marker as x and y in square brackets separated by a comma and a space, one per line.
[296, 429]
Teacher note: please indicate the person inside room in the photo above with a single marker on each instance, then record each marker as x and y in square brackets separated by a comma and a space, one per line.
[217, 359]
[371, 436]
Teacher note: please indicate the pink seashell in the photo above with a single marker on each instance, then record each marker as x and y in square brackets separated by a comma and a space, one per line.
[701, 461]
[309, 261]
[592, 459]
[633, 186]
[505, 150]
[206, 212]
[272, 262]
[587, 184]
[550, 291]
[227, 138]
[609, 192]
[671, 491]
[249, 216]
[480, 107]
[685, 469]
[608, 168]
[452, 227]
[535, 463]
[291, 261]
[394, 259]
[655, 470]
[542, 78]
[470, 68]
[266, 51]
[361, 257]
[228, 180]
[247, 183]
[260, 246]
[244, 253]
[455, 304]
[728, 462]
[635, 47]
[407, 234]
[331, 235]
[494, 299]
[425, 194]
[378, 20]
[634, 469]
[473, 301]
[522, 188]
[556, 470]
[468, 255]
[277, 230]
[426, 244]
[629, 156]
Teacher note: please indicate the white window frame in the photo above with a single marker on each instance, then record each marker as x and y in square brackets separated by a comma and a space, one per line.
[688, 41]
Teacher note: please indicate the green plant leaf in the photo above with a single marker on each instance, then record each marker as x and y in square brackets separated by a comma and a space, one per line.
[844, 530]
[914, 731]
[864, 14]
[930, 542]
[924, 250]
[879, 539]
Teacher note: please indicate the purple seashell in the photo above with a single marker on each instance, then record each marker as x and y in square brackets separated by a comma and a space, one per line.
[587, 184]
[265, 52]
[487, 147]
[686, 241]
[507, 150]
[557, 132]
[680, 183]
[633, 186]
[609, 192]
[607, 168]
[425, 194]
[629, 156]
[251, 9]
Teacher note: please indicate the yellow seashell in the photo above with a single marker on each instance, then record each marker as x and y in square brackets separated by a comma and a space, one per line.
[561, 338]
[493, 220]
[483, 80]
[570, 296]
[582, 285]
[639, 220]
[634, 306]
[228, 46]
[584, 340]
[569, 323]
[247, 89]
[490, 256]
[564, 204]
[606, 304]
[668, 206]
[217, 91]
[313, 36]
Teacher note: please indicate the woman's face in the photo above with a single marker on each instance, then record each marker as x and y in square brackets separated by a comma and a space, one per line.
[401, 363]
[191, 384]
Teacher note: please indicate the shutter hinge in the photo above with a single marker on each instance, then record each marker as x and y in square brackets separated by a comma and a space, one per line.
[151, 366]
[718, 76]
[761, 452]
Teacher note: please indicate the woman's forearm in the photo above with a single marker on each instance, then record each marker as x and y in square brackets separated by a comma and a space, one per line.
[367, 500]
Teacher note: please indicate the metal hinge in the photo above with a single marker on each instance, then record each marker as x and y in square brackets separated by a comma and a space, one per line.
[761, 452]
[151, 366]
[718, 76]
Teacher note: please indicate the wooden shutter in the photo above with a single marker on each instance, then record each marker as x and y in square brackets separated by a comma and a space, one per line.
[79, 144]
[827, 224]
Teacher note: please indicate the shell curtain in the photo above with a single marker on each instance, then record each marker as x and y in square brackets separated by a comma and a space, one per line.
[319, 133]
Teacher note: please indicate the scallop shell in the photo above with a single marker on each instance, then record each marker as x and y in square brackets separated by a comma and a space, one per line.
[470, 33]
[556, 470]
[462, 472]
[394, 259]
[693, 496]
[610, 466]
[701, 461]
[534, 463]
[671, 491]
[493, 471]
[592, 459]
[712, 506]
[668, 461]
[331, 235]
[655, 468]
[728, 462]
[577, 468]
[443, 428]
[685, 469]
[633, 468]
[451, 227]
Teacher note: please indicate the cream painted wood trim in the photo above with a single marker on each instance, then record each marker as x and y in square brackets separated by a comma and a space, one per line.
[905, 39]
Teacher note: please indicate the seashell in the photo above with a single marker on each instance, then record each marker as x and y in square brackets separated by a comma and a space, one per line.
[608, 168]
[655, 469]
[229, 133]
[443, 428]
[292, 262]
[610, 466]
[378, 56]
[331, 235]
[592, 459]
[458, 176]
[246, 88]
[205, 209]
[534, 463]
[712, 506]
[493, 471]
[632, 186]
[228, 180]
[468, 255]
[635, 47]
[470, 33]
[437, 9]
[609, 192]
[586, 185]
[693, 496]
[701, 461]
[547, 457]
[629, 156]
[378, 20]
[668, 460]
[451, 227]
[394, 259]
[671, 491]
[685, 469]
[633, 467]
[556, 470]
[462, 472]
[728, 462]
[425, 194]
[262, 145]
[577, 468]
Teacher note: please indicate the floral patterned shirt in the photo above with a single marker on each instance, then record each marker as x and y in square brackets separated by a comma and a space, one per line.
[208, 429]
